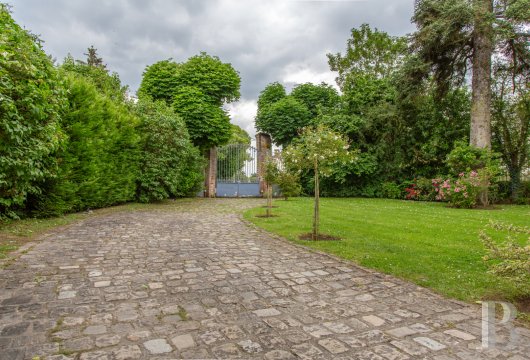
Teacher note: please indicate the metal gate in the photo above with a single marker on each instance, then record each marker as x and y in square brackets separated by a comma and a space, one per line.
[237, 171]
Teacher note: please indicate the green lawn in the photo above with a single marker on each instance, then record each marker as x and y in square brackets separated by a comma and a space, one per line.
[427, 243]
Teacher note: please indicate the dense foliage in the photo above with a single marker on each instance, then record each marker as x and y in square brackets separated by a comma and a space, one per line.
[284, 116]
[401, 115]
[31, 100]
[98, 161]
[159, 81]
[208, 124]
[197, 90]
[169, 165]
[71, 140]
[283, 119]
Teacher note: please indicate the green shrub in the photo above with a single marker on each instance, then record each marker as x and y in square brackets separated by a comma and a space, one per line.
[30, 102]
[391, 190]
[509, 258]
[289, 184]
[98, 163]
[170, 166]
[465, 158]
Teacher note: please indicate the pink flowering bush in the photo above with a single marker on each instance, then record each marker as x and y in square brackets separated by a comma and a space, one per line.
[462, 192]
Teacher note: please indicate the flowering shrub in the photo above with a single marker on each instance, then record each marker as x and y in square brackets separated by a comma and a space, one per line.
[424, 189]
[462, 192]
[412, 193]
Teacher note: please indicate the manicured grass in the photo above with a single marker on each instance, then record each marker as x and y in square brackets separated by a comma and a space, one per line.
[427, 243]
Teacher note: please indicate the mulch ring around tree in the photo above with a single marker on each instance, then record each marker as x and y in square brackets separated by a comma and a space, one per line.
[320, 237]
[266, 216]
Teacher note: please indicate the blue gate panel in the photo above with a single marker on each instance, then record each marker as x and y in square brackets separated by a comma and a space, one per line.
[249, 189]
[237, 189]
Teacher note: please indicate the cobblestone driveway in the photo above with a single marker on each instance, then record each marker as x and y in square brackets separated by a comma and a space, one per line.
[198, 284]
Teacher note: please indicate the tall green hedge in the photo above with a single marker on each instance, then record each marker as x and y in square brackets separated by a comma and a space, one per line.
[30, 102]
[98, 162]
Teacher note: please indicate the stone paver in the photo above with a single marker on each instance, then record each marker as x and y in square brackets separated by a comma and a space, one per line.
[201, 283]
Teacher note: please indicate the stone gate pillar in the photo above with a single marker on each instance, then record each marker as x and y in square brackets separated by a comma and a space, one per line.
[210, 176]
[264, 149]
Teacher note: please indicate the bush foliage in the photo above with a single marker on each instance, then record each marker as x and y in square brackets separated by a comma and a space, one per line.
[98, 162]
[170, 166]
[70, 139]
[31, 100]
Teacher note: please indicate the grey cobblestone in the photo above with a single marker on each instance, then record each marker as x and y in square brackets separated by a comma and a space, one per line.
[199, 283]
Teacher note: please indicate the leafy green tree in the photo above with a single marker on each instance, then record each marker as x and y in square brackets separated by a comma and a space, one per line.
[316, 98]
[31, 100]
[369, 52]
[239, 136]
[107, 83]
[93, 59]
[321, 150]
[283, 120]
[432, 127]
[196, 90]
[160, 81]
[218, 81]
[368, 113]
[456, 35]
[207, 123]
[170, 166]
[271, 94]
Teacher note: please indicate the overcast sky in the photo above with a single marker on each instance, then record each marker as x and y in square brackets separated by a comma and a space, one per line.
[266, 41]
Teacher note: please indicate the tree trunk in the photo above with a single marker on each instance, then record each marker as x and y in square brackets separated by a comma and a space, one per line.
[269, 200]
[480, 135]
[316, 215]
[515, 182]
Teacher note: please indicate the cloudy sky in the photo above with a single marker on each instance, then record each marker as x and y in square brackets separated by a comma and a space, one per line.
[265, 40]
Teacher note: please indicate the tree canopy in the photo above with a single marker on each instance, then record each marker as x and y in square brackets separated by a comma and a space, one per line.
[208, 124]
[219, 81]
[316, 97]
[456, 35]
[368, 52]
[160, 81]
[283, 119]
[197, 90]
